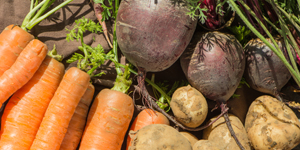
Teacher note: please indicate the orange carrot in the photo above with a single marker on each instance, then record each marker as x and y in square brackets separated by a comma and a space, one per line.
[78, 121]
[108, 121]
[25, 110]
[144, 118]
[60, 110]
[13, 40]
[23, 69]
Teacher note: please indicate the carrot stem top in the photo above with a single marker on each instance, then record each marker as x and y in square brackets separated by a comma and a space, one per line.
[122, 82]
[53, 54]
[37, 9]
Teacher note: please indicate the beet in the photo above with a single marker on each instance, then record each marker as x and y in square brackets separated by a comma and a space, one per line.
[214, 64]
[264, 71]
[153, 34]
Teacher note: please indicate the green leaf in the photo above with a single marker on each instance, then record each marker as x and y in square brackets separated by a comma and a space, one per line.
[241, 33]
[82, 26]
[75, 57]
[195, 11]
[235, 96]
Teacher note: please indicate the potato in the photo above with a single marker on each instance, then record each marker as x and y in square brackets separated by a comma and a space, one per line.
[159, 137]
[189, 106]
[219, 134]
[270, 124]
[205, 145]
[239, 105]
[192, 138]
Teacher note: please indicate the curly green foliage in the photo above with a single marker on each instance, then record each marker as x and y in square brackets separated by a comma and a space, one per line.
[195, 11]
[81, 26]
[91, 58]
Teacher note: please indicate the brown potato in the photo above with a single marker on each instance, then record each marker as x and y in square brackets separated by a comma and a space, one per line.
[189, 106]
[270, 124]
[219, 134]
[158, 137]
[192, 138]
[205, 145]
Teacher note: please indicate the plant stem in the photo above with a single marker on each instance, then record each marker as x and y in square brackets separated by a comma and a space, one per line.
[286, 33]
[282, 58]
[32, 23]
[115, 43]
[30, 14]
[262, 25]
[42, 9]
[289, 17]
[150, 82]
[31, 20]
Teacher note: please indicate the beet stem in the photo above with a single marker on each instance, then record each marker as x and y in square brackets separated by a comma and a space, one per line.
[223, 108]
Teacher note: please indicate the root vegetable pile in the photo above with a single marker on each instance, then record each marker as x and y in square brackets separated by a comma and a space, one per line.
[219, 46]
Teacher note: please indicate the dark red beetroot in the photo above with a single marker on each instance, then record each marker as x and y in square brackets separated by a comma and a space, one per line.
[265, 72]
[152, 34]
[214, 64]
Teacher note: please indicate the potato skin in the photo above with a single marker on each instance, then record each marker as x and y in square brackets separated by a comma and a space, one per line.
[205, 145]
[270, 124]
[192, 138]
[219, 134]
[214, 63]
[189, 106]
[153, 35]
[159, 137]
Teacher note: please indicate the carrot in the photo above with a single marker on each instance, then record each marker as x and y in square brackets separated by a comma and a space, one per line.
[60, 110]
[78, 121]
[24, 111]
[13, 40]
[108, 121]
[112, 109]
[23, 69]
[144, 118]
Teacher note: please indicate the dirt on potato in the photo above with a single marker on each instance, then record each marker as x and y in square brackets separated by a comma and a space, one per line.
[159, 137]
[189, 106]
[219, 134]
[270, 124]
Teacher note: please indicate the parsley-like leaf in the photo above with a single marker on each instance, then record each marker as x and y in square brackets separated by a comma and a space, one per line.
[92, 57]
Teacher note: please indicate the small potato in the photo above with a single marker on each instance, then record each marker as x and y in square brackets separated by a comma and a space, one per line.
[159, 137]
[192, 138]
[219, 134]
[205, 145]
[189, 106]
[270, 124]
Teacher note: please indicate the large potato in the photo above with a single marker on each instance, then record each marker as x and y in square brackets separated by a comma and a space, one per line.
[192, 138]
[219, 134]
[159, 137]
[189, 106]
[272, 125]
[205, 145]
